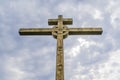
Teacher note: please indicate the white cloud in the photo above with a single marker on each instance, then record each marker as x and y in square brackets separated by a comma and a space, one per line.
[66, 7]
[28, 64]
[102, 71]
[82, 43]
[114, 10]
[115, 18]
[97, 14]
[12, 69]
[85, 58]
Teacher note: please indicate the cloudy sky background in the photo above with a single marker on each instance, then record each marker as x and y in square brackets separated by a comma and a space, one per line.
[33, 57]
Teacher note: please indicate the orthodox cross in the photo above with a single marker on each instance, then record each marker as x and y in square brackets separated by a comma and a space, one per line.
[60, 31]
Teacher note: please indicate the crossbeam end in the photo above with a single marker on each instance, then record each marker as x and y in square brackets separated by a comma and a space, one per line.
[85, 31]
[35, 31]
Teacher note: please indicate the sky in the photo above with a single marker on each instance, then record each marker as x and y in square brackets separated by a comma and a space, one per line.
[87, 57]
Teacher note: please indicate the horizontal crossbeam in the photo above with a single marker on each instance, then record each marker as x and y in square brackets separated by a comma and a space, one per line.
[66, 21]
[85, 31]
[35, 31]
[72, 31]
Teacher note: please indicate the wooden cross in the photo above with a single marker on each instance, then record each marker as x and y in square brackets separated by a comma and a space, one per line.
[60, 31]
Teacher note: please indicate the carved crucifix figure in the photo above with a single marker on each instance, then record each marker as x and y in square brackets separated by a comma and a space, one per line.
[60, 31]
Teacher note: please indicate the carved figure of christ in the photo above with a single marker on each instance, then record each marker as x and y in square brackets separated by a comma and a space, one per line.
[60, 31]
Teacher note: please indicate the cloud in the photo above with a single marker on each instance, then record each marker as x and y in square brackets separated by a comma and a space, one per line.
[76, 49]
[10, 68]
[102, 71]
[86, 57]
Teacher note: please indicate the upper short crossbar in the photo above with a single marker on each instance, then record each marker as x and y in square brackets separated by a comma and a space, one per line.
[66, 21]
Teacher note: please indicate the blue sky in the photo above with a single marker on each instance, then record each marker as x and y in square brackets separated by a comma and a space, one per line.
[33, 57]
